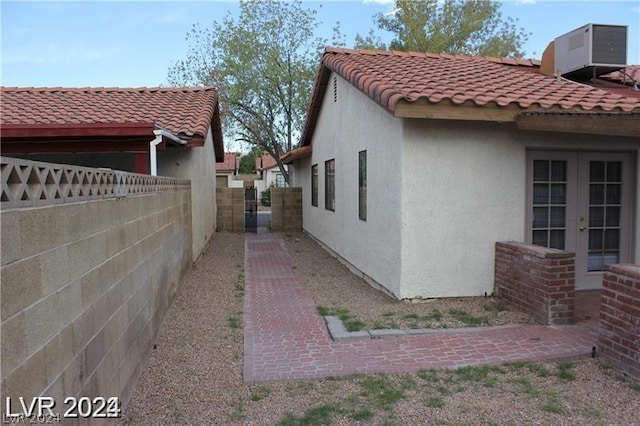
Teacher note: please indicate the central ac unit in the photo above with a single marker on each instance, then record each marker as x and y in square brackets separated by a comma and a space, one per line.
[591, 50]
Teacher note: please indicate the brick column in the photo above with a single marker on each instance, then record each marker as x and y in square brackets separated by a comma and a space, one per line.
[537, 280]
[620, 317]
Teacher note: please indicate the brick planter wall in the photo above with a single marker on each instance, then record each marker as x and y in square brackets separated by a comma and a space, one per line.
[620, 317]
[537, 280]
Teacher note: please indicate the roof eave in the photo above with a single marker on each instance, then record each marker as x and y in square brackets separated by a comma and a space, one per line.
[585, 122]
[103, 130]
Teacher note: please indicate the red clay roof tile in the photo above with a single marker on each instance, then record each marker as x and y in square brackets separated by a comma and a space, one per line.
[393, 76]
[230, 164]
[183, 111]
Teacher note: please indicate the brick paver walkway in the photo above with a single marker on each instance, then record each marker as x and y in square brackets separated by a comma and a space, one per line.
[286, 339]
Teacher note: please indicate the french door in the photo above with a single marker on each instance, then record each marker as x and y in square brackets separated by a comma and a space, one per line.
[582, 202]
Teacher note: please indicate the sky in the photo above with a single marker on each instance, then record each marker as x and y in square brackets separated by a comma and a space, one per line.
[133, 44]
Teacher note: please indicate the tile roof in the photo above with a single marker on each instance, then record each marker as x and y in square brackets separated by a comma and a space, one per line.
[389, 77]
[186, 112]
[230, 164]
[392, 78]
[265, 162]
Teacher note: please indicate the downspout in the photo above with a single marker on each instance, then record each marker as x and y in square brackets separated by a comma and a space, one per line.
[160, 133]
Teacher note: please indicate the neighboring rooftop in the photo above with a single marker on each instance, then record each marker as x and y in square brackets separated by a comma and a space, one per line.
[231, 163]
[265, 162]
[188, 113]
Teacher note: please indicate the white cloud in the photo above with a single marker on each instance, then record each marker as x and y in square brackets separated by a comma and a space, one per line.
[525, 2]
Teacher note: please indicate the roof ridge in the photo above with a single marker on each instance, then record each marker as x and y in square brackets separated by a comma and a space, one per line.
[107, 89]
[505, 60]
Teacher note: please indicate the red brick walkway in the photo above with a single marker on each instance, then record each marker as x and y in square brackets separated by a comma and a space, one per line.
[286, 339]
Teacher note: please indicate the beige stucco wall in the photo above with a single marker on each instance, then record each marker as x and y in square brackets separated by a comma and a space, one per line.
[84, 288]
[464, 187]
[344, 128]
[197, 165]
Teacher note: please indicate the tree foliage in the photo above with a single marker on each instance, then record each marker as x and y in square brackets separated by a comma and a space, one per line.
[471, 27]
[263, 64]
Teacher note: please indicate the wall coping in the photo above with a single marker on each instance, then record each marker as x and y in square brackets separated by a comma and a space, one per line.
[630, 270]
[27, 183]
[537, 251]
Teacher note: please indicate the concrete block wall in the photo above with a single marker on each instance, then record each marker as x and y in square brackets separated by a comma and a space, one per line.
[619, 336]
[84, 288]
[537, 280]
[286, 209]
[230, 212]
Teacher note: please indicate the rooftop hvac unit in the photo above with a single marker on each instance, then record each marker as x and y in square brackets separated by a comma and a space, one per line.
[591, 50]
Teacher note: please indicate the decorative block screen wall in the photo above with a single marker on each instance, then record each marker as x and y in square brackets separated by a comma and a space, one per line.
[86, 277]
[537, 280]
[620, 317]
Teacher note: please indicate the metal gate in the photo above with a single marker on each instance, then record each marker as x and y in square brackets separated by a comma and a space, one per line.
[251, 210]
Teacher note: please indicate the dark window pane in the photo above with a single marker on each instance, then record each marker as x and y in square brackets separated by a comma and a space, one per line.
[540, 238]
[314, 185]
[540, 193]
[614, 193]
[362, 185]
[540, 217]
[556, 219]
[595, 239]
[612, 239]
[541, 170]
[596, 194]
[614, 171]
[558, 193]
[596, 171]
[559, 171]
[556, 239]
[596, 217]
[613, 216]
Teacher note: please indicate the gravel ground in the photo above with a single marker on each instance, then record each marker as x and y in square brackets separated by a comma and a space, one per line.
[195, 374]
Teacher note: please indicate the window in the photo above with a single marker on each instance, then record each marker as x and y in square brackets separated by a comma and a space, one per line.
[280, 182]
[362, 185]
[330, 185]
[314, 185]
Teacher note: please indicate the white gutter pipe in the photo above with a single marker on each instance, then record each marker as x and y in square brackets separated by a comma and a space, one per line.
[160, 133]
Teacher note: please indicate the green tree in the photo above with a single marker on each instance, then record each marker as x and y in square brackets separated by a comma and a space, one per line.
[471, 27]
[248, 161]
[263, 64]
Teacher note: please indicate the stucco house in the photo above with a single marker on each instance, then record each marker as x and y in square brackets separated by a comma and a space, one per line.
[171, 132]
[226, 171]
[413, 165]
[270, 174]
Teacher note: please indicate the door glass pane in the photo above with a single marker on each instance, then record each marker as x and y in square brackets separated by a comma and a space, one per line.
[556, 239]
[596, 217]
[549, 203]
[605, 190]
[614, 171]
[559, 171]
[613, 193]
[596, 194]
[558, 193]
[556, 218]
[540, 171]
[540, 217]
[613, 216]
[596, 171]
[540, 238]
[540, 193]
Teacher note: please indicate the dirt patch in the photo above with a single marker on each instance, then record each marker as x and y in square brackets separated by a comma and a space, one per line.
[339, 292]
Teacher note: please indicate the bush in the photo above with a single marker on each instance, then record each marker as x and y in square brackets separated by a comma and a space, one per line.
[265, 197]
